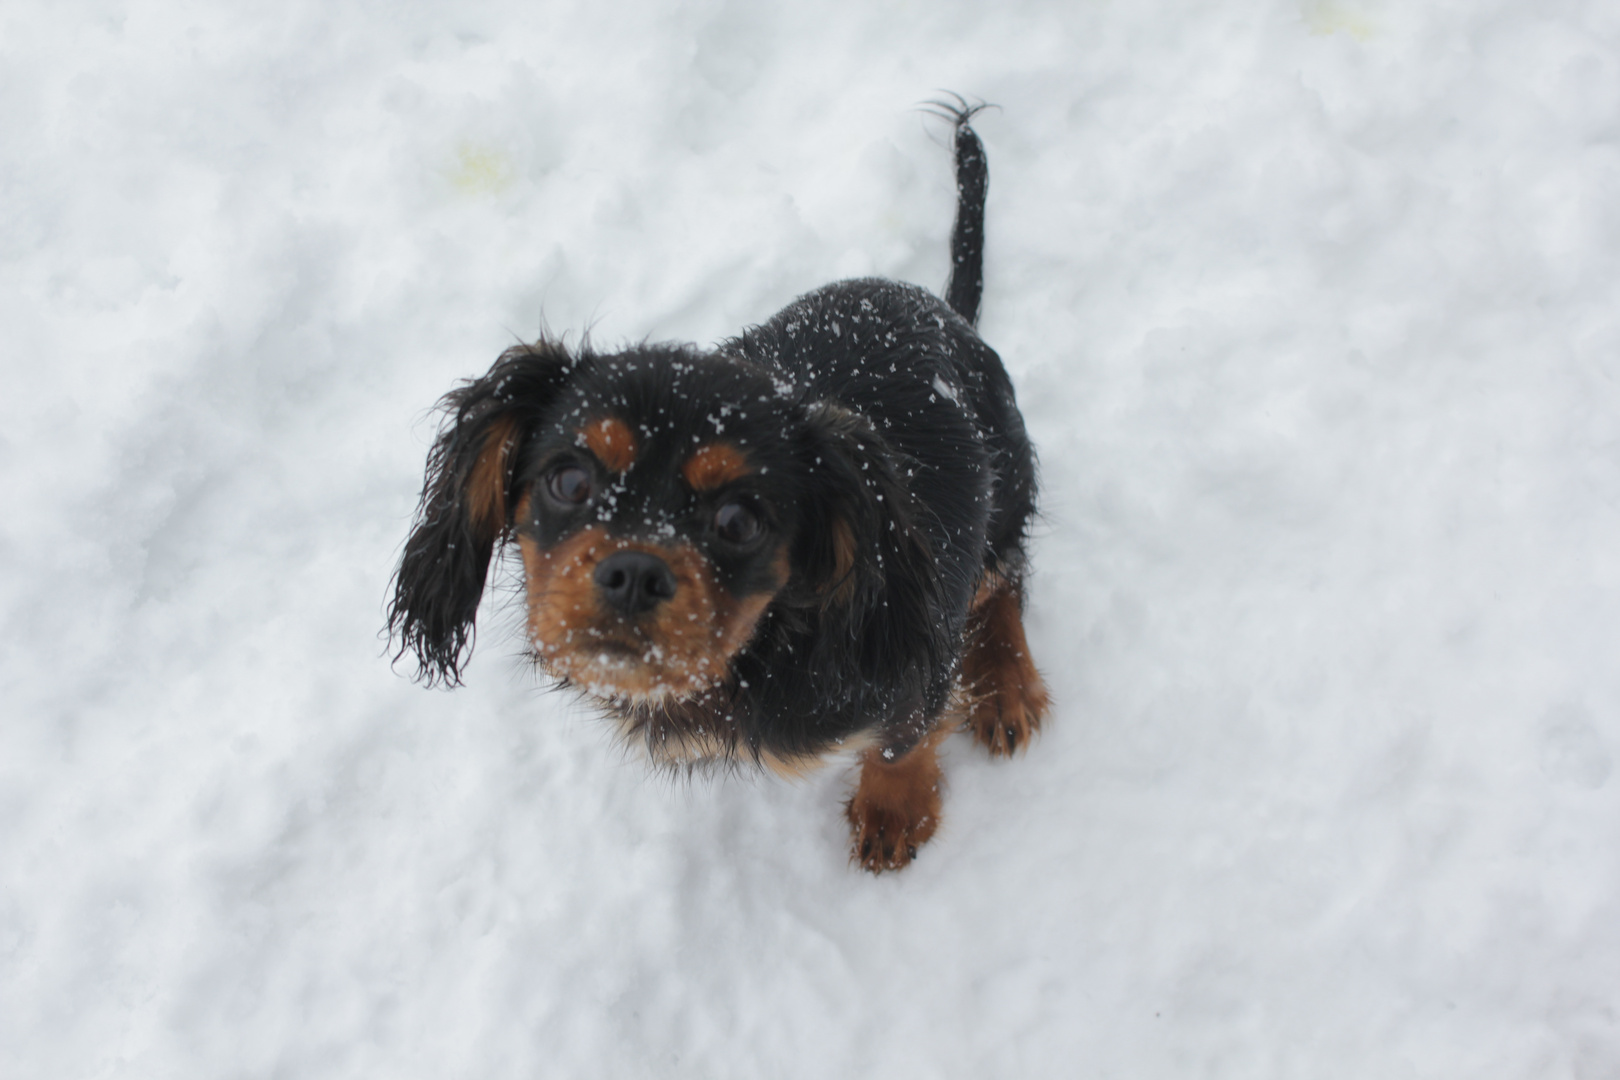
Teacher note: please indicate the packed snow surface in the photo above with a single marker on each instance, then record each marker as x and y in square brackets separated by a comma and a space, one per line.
[1312, 308]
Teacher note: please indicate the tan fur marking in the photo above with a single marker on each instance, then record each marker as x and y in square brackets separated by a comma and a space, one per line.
[486, 483]
[612, 441]
[797, 768]
[791, 768]
[843, 580]
[1007, 695]
[714, 465]
[678, 649]
[896, 805]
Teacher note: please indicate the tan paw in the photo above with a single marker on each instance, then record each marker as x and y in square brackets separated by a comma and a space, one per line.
[1007, 696]
[1007, 717]
[895, 808]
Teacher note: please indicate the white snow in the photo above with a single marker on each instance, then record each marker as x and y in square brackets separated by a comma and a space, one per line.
[1313, 312]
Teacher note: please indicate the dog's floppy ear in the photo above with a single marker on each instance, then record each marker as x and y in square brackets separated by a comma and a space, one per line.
[467, 504]
[863, 550]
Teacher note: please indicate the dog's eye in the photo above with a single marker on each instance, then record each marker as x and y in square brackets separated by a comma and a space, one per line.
[737, 524]
[569, 484]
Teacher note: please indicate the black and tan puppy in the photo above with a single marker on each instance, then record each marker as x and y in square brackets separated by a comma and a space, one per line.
[808, 538]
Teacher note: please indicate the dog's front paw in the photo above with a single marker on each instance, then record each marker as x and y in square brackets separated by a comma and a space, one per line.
[1007, 696]
[895, 808]
[1006, 712]
[887, 837]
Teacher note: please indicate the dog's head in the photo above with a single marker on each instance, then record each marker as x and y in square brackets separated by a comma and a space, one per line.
[666, 502]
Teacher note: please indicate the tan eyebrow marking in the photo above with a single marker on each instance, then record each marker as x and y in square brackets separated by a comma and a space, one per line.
[714, 466]
[612, 441]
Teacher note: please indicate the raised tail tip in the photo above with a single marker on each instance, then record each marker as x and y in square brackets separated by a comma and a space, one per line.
[966, 284]
[958, 110]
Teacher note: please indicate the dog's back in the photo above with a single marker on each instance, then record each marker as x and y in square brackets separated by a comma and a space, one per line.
[916, 366]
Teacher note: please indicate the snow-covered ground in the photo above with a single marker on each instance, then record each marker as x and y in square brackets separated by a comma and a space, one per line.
[1313, 311]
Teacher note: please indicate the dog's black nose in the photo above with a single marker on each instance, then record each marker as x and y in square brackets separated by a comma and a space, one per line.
[634, 581]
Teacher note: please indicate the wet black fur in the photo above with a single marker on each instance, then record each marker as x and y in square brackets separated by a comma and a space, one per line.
[869, 402]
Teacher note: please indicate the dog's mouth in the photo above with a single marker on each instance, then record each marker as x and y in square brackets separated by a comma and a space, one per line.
[620, 653]
[628, 664]
[619, 648]
[614, 668]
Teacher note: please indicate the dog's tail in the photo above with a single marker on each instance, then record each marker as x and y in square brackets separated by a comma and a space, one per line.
[963, 290]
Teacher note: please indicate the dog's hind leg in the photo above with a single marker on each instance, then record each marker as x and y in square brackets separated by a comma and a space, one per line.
[1006, 695]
